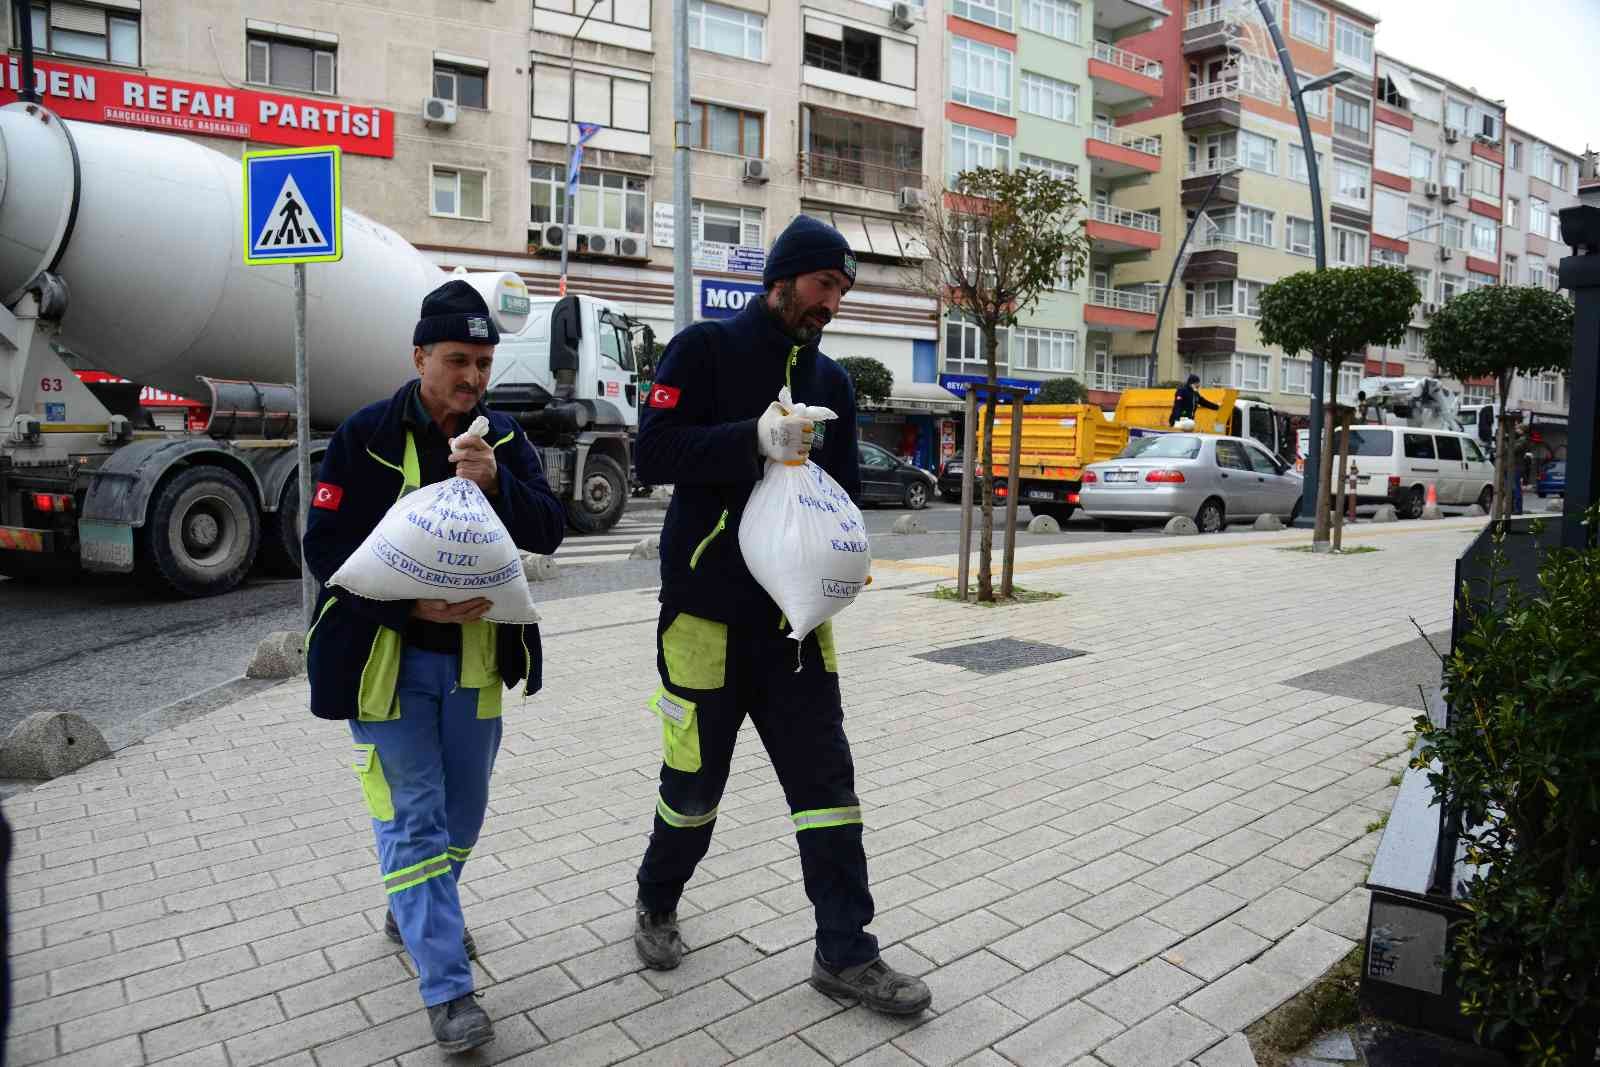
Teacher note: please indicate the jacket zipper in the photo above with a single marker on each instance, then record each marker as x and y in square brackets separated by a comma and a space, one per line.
[699, 550]
[788, 370]
[317, 622]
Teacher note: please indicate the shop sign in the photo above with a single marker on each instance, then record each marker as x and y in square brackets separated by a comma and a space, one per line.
[721, 299]
[960, 383]
[126, 98]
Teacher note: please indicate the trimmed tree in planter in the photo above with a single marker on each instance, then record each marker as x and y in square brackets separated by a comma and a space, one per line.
[1521, 760]
[872, 380]
[1061, 391]
[1336, 314]
[1499, 332]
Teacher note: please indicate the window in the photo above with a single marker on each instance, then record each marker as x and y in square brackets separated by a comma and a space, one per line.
[1453, 232]
[1451, 285]
[971, 147]
[1257, 152]
[1297, 164]
[731, 130]
[289, 64]
[1508, 271]
[1555, 226]
[1212, 300]
[1247, 302]
[1455, 174]
[1352, 44]
[611, 101]
[1255, 226]
[1514, 155]
[1483, 239]
[1349, 247]
[1046, 350]
[1418, 222]
[1456, 114]
[1421, 163]
[1058, 18]
[1419, 445]
[1513, 209]
[460, 194]
[1477, 279]
[1449, 448]
[996, 13]
[1423, 277]
[1416, 342]
[1541, 161]
[1352, 113]
[73, 29]
[1388, 257]
[1053, 167]
[1549, 388]
[980, 75]
[964, 344]
[607, 200]
[1389, 93]
[1538, 216]
[854, 53]
[1255, 372]
[1350, 375]
[1297, 236]
[728, 224]
[1295, 376]
[1391, 149]
[467, 86]
[1317, 104]
[1350, 180]
[727, 30]
[1308, 22]
[1260, 460]
[853, 150]
[1536, 273]
[1558, 174]
[1049, 97]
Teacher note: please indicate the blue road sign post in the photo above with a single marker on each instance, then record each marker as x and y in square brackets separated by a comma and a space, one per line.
[292, 215]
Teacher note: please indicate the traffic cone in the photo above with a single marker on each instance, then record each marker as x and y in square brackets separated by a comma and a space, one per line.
[1430, 509]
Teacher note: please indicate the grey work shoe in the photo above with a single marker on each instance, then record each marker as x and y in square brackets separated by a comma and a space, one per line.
[460, 1025]
[875, 984]
[391, 930]
[656, 938]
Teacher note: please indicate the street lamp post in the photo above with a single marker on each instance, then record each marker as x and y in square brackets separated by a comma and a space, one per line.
[1172, 275]
[572, 111]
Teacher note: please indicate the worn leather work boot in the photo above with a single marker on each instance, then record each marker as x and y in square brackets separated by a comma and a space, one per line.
[875, 984]
[460, 1025]
[391, 930]
[656, 939]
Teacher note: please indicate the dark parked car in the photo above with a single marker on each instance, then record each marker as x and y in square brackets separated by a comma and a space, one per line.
[950, 479]
[1553, 482]
[887, 479]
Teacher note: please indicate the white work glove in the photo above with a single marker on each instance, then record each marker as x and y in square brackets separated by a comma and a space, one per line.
[784, 431]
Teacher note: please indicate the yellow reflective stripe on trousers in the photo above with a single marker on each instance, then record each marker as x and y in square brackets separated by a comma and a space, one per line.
[460, 854]
[822, 818]
[417, 873]
[683, 822]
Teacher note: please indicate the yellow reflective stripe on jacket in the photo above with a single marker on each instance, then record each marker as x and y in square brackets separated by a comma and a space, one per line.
[306, 645]
[681, 821]
[822, 818]
[417, 873]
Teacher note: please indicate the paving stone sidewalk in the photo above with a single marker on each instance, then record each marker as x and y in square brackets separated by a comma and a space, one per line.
[1117, 860]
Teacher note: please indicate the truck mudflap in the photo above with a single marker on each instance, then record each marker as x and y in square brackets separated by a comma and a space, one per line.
[105, 547]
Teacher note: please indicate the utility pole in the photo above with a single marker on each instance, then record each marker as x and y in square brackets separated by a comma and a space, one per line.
[28, 94]
[682, 239]
[569, 190]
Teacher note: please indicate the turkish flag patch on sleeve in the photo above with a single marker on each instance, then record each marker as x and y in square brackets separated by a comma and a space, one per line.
[663, 396]
[327, 496]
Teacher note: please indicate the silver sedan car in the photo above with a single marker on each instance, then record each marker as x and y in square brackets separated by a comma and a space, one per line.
[1213, 480]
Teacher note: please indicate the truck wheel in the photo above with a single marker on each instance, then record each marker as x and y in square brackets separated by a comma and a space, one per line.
[202, 532]
[603, 498]
[280, 536]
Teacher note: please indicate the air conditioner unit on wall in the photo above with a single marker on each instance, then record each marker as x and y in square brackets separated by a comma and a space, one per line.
[1430, 190]
[901, 16]
[550, 236]
[1449, 194]
[1447, 253]
[623, 245]
[1451, 134]
[757, 170]
[912, 198]
[437, 111]
[1428, 308]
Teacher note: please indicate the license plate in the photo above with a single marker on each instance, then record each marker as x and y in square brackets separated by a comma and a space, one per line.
[1120, 476]
[1040, 494]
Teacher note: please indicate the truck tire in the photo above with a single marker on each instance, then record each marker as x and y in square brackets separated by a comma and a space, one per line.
[603, 496]
[202, 532]
[280, 535]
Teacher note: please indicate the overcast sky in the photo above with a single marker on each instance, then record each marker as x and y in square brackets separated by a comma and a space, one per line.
[1539, 56]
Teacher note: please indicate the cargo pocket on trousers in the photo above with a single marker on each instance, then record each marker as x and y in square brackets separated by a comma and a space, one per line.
[373, 784]
[680, 734]
[696, 652]
[825, 646]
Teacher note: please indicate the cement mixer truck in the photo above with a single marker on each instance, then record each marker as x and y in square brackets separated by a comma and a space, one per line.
[120, 251]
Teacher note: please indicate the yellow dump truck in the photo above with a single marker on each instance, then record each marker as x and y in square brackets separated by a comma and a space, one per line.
[1059, 440]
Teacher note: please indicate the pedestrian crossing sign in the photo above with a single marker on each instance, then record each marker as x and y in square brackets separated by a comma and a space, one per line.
[291, 206]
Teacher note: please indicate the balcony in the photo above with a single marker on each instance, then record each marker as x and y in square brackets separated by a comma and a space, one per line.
[1115, 153]
[1117, 381]
[1205, 25]
[1119, 18]
[1123, 78]
[1206, 340]
[1213, 103]
[1200, 173]
[1120, 310]
[1114, 230]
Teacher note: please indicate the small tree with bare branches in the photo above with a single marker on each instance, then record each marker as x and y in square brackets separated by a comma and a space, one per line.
[997, 240]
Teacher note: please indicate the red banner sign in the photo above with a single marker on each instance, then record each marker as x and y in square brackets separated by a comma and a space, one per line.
[95, 94]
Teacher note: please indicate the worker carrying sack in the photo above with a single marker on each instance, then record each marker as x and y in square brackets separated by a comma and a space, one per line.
[442, 542]
[803, 539]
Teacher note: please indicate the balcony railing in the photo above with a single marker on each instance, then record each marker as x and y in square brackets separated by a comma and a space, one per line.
[1205, 12]
[1123, 300]
[1118, 57]
[867, 172]
[1138, 220]
[1199, 168]
[1104, 131]
[1113, 382]
[1221, 89]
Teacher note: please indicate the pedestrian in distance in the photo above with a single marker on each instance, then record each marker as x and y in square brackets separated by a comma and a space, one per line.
[1187, 399]
[421, 681]
[722, 646]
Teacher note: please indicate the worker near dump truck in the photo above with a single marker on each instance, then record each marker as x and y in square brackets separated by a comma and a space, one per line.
[1187, 398]
[421, 681]
[709, 429]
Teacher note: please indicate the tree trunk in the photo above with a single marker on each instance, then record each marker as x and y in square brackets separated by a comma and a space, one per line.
[986, 535]
[1500, 504]
[1319, 535]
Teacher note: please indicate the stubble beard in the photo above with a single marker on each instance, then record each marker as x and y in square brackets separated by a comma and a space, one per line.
[793, 316]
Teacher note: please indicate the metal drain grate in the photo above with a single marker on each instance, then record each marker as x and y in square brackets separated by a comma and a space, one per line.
[1001, 654]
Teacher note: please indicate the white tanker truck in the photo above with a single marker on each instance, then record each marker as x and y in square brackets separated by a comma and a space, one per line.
[120, 251]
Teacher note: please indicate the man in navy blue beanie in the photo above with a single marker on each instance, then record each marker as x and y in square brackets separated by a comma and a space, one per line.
[710, 428]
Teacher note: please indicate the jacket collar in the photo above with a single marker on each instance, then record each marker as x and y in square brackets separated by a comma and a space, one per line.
[769, 335]
[388, 441]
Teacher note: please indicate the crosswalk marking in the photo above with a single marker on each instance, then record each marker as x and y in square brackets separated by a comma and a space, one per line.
[614, 544]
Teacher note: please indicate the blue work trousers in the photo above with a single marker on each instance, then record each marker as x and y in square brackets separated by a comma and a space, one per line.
[426, 778]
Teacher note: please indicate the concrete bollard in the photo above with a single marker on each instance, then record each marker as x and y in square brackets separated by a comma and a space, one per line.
[49, 744]
[910, 524]
[1556, 504]
[280, 654]
[538, 568]
[1267, 523]
[1475, 512]
[649, 548]
[1385, 513]
[1044, 524]
[1180, 526]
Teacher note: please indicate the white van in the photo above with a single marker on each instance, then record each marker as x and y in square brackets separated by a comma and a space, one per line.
[1396, 464]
